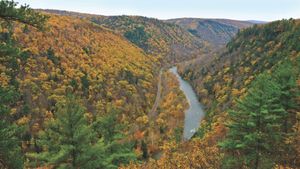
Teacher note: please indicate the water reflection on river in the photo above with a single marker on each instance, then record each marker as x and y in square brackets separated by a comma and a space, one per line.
[195, 113]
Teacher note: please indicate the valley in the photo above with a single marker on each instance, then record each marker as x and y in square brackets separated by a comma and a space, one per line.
[92, 91]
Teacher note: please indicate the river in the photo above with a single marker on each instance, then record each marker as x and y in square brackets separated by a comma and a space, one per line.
[194, 114]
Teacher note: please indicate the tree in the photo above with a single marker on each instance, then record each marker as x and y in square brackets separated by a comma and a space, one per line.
[286, 79]
[68, 141]
[85, 84]
[144, 150]
[9, 12]
[10, 150]
[254, 129]
[118, 151]
[285, 75]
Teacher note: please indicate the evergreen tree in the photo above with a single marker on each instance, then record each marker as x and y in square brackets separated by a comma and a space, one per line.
[68, 141]
[118, 150]
[254, 129]
[10, 150]
[285, 76]
[9, 12]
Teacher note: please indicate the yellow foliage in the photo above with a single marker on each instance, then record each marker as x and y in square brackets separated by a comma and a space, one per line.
[235, 92]
[4, 80]
[143, 120]
[226, 69]
[22, 121]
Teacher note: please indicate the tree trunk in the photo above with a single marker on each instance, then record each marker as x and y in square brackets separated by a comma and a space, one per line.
[257, 161]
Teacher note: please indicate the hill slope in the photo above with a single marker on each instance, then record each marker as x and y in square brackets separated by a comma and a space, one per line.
[103, 68]
[251, 52]
[224, 81]
[215, 31]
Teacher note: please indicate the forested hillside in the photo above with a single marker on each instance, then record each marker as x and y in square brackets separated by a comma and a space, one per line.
[252, 91]
[68, 85]
[167, 41]
[215, 31]
[94, 62]
[251, 95]
[252, 52]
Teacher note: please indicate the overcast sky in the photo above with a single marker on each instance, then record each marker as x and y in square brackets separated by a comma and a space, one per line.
[266, 10]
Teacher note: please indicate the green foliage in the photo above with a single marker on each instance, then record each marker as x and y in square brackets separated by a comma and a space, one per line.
[9, 12]
[261, 121]
[51, 56]
[138, 36]
[10, 150]
[285, 76]
[255, 125]
[144, 150]
[178, 134]
[85, 84]
[117, 151]
[11, 56]
[68, 141]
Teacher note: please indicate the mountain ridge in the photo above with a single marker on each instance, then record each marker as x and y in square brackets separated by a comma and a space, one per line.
[215, 31]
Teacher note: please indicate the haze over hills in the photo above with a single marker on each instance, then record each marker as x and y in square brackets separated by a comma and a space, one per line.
[257, 22]
[215, 31]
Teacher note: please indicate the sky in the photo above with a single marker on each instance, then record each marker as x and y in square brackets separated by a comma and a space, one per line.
[264, 10]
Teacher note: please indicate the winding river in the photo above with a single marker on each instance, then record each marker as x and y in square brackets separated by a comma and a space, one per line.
[195, 113]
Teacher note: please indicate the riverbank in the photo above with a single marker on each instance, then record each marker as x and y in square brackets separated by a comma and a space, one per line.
[169, 118]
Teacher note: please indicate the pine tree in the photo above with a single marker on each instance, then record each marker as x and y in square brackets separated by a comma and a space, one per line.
[285, 76]
[118, 150]
[68, 141]
[254, 129]
[10, 150]
[9, 12]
